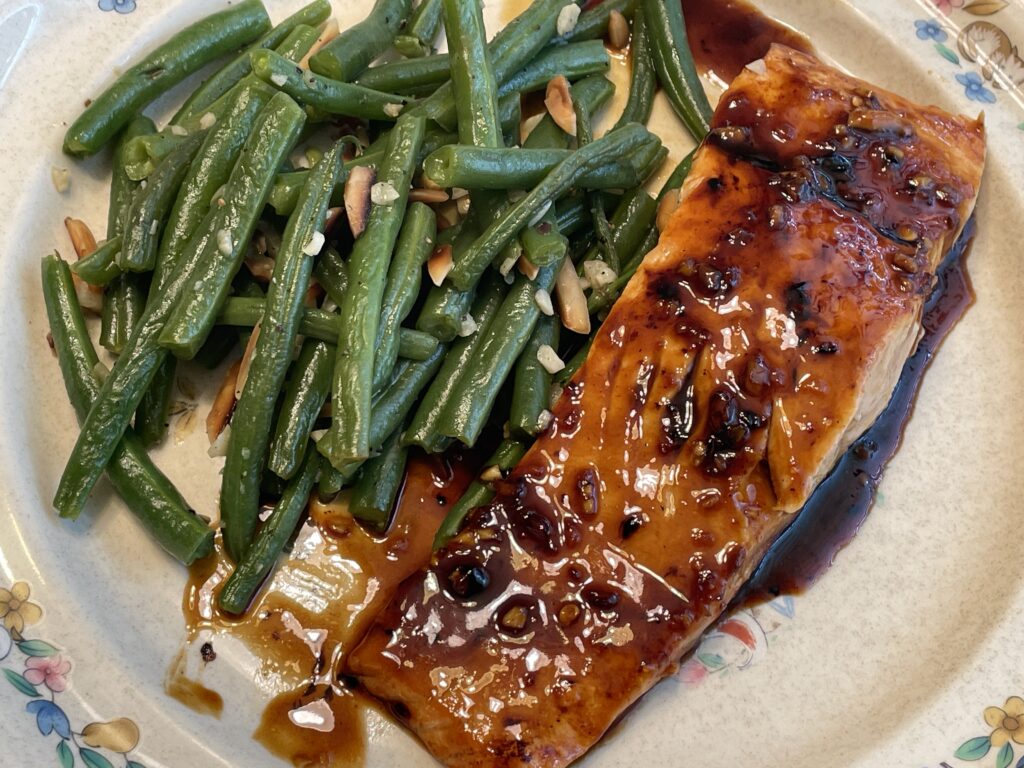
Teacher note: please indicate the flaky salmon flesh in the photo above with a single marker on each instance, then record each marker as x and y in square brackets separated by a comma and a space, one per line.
[762, 335]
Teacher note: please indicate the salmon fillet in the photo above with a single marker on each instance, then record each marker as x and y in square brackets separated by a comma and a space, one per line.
[764, 333]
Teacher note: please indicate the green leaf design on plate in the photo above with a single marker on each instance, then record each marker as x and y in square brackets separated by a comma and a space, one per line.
[94, 759]
[20, 683]
[37, 648]
[1020, 126]
[974, 749]
[711, 660]
[948, 54]
[1005, 756]
[65, 755]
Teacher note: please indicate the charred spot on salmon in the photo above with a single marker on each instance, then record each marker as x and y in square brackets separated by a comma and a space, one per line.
[677, 422]
[468, 581]
[730, 429]
[732, 138]
[825, 348]
[714, 184]
[797, 301]
[532, 525]
[633, 523]
[601, 597]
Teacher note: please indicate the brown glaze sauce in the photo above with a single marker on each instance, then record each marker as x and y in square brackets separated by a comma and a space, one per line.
[726, 35]
[312, 612]
[839, 506]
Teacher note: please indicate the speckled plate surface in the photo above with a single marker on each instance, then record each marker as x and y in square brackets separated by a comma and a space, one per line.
[908, 653]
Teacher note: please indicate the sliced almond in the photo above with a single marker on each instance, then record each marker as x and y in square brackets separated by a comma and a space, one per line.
[528, 268]
[357, 197]
[313, 295]
[90, 297]
[440, 264]
[246, 361]
[260, 267]
[333, 216]
[429, 196]
[223, 404]
[447, 215]
[618, 31]
[572, 302]
[558, 101]
[328, 32]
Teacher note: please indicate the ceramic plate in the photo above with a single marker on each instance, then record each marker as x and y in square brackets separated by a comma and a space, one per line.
[907, 653]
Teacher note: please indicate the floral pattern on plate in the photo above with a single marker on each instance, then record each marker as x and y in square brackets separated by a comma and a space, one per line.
[1006, 737]
[38, 670]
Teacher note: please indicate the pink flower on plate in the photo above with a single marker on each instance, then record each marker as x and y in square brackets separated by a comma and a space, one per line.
[50, 671]
[947, 6]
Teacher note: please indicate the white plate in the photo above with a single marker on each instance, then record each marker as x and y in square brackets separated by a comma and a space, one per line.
[891, 660]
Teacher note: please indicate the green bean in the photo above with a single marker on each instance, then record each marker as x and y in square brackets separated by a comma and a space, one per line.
[154, 408]
[304, 398]
[594, 91]
[273, 537]
[147, 493]
[377, 485]
[331, 272]
[331, 96]
[468, 269]
[542, 243]
[226, 77]
[575, 362]
[409, 76]
[593, 23]
[574, 61]
[632, 219]
[186, 52]
[423, 430]
[194, 316]
[678, 176]
[244, 196]
[348, 436]
[416, 345]
[218, 346]
[415, 244]
[123, 302]
[473, 83]
[477, 494]
[643, 80]
[347, 55]
[603, 297]
[674, 64]
[517, 44]
[121, 186]
[469, 405]
[251, 422]
[210, 170]
[99, 267]
[331, 481]
[421, 31]
[474, 168]
[150, 206]
[532, 383]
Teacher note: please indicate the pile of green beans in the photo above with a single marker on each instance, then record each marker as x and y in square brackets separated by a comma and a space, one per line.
[229, 240]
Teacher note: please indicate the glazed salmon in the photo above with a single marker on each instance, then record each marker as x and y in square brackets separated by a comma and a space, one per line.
[763, 334]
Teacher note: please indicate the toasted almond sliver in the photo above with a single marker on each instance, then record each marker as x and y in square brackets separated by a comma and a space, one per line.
[424, 195]
[447, 215]
[357, 197]
[440, 264]
[90, 297]
[260, 267]
[558, 101]
[333, 215]
[246, 361]
[328, 32]
[572, 302]
[618, 30]
[223, 404]
[528, 268]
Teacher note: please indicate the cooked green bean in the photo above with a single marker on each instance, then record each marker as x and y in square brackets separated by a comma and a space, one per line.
[593, 23]
[643, 80]
[673, 62]
[409, 76]
[351, 394]
[531, 385]
[418, 38]
[593, 91]
[678, 176]
[304, 398]
[474, 168]
[123, 302]
[121, 186]
[423, 429]
[574, 61]
[415, 244]
[603, 297]
[148, 494]
[347, 55]
[252, 420]
[224, 79]
[331, 481]
[377, 485]
[573, 364]
[244, 196]
[632, 219]
[153, 412]
[468, 269]
[99, 267]
[331, 96]
[472, 76]
[186, 52]
[542, 243]
[507, 455]
[331, 272]
[150, 206]
[270, 541]
[466, 410]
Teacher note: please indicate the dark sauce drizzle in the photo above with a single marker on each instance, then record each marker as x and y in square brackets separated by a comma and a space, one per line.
[838, 507]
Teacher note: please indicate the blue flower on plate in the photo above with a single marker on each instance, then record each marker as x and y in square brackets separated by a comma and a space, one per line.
[930, 30]
[975, 88]
[50, 718]
[121, 6]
